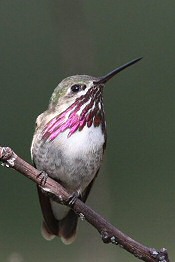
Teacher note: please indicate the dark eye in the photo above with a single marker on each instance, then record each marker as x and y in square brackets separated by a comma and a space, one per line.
[76, 88]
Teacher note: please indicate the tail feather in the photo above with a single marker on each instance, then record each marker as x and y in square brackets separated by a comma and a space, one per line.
[52, 226]
[67, 228]
[46, 233]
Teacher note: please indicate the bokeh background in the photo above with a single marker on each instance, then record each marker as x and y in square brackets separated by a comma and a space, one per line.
[42, 42]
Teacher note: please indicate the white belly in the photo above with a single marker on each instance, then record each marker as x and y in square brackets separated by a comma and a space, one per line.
[74, 160]
[81, 156]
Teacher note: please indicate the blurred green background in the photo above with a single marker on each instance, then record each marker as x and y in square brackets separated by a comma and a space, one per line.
[42, 42]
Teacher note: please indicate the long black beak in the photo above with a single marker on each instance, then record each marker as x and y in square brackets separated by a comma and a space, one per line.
[104, 79]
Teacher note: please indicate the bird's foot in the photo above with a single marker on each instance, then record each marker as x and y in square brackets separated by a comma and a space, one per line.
[73, 197]
[43, 177]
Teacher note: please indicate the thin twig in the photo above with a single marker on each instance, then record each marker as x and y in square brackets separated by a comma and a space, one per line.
[108, 232]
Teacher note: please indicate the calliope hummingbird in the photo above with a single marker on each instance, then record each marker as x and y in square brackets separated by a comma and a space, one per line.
[68, 144]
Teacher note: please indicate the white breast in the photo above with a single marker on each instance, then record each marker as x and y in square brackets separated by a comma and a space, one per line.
[82, 142]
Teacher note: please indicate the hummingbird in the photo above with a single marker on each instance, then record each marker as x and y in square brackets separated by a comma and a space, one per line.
[68, 144]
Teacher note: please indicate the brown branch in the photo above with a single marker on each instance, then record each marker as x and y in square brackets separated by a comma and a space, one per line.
[109, 233]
